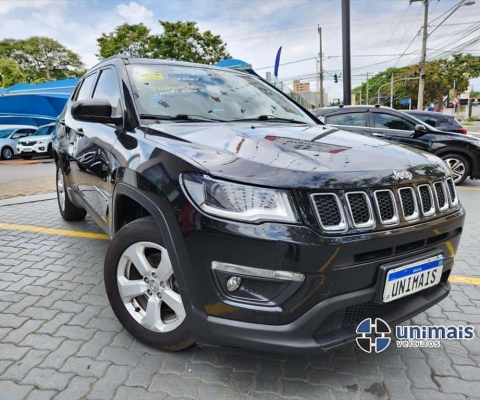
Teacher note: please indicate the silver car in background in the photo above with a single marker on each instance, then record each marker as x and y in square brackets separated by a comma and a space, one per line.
[39, 143]
[9, 136]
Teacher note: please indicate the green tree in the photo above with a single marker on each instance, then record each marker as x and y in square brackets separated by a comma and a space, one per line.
[10, 72]
[130, 39]
[440, 77]
[42, 58]
[181, 41]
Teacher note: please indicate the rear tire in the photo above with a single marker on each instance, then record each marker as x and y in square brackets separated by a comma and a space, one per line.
[142, 289]
[459, 165]
[68, 210]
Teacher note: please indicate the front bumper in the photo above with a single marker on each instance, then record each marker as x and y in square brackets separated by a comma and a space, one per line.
[341, 281]
[32, 150]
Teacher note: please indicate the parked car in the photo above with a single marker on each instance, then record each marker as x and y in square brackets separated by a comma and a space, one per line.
[253, 225]
[39, 143]
[442, 122]
[460, 152]
[9, 136]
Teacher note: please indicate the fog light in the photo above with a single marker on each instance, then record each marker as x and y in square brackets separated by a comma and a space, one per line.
[233, 283]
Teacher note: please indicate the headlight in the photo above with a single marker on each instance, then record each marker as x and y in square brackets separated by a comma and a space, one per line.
[238, 201]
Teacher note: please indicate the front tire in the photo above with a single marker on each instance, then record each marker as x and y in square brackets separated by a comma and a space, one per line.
[6, 153]
[142, 288]
[68, 210]
[459, 165]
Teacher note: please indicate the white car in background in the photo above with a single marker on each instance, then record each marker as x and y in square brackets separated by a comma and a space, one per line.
[9, 136]
[39, 143]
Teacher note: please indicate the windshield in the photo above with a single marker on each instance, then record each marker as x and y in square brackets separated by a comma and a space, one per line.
[4, 133]
[44, 130]
[172, 90]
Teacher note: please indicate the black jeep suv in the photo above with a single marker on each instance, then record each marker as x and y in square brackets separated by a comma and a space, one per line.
[239, 219]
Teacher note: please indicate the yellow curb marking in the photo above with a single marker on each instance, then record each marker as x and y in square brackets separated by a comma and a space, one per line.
[89, 235]
[464, 279]
[52, 231]
[467, 188]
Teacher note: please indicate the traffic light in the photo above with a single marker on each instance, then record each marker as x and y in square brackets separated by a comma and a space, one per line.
[335, 78]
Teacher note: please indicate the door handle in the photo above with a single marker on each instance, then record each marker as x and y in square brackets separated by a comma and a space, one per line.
[376, 134]
[80, 132]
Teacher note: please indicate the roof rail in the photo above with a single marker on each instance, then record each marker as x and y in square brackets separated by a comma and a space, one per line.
[124, 57]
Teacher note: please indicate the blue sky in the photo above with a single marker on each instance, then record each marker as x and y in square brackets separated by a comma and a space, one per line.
[254, 29]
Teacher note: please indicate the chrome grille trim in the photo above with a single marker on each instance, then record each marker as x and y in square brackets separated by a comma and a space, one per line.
[415, 214]
[342, 226]
[395, 219]
[442, 186]
[452, 191]
[431, 211]
[371, 221]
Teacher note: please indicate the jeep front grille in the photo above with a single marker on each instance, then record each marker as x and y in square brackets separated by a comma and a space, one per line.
[365, 209]
[360, 209]
[452, 191]
[408, 203]
[329, 211]
[426, 200]
[386, 207]
[441, 196]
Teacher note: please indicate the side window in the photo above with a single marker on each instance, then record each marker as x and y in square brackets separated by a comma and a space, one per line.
[388, 121]
[351, 119]
[425, 118]
[107, 88]
[20, 133]
[86, 88]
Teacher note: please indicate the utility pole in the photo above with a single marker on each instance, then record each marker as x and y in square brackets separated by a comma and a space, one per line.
[423, 56]
[391, 92]
[320, 58]
[367, 102]
[347, 77]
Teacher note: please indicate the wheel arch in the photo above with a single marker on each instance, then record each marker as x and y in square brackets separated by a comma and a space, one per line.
[161, 211]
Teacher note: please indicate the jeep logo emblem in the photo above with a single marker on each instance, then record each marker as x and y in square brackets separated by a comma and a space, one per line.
[402, 175]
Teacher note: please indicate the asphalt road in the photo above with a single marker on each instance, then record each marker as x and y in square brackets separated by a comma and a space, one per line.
[15, 173]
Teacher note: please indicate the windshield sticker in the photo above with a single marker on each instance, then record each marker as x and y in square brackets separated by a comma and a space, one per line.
[186, 77]
[154, 76]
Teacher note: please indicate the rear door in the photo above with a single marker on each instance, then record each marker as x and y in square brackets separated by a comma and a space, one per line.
[349, 120]
[397, 128]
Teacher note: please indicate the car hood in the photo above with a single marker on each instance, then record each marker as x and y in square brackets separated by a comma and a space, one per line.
[37, 138]
[294, 155]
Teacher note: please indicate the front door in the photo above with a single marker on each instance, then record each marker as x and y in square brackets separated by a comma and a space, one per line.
[91, 151]
[397, 129]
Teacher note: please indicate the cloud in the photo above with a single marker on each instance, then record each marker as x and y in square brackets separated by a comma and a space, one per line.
[135, 13]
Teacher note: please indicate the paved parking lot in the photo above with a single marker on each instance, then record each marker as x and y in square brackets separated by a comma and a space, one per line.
[59, 338]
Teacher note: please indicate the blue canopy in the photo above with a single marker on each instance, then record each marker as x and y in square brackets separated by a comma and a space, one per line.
[235, 63]
[26, 104]
[62, 87]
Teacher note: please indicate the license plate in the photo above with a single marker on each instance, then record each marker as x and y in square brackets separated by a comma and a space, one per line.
[27, 150]
[412, 278]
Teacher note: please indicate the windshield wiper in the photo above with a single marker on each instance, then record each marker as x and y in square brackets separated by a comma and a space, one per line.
[269, 118]
[180, 117]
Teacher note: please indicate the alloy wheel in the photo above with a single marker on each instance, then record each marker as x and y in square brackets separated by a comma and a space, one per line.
[458, 168]
[7, 154]
[148, 288]
[61, 189]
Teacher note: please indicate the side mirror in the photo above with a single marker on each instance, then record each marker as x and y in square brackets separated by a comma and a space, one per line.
[420, 130]
[94, 110]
